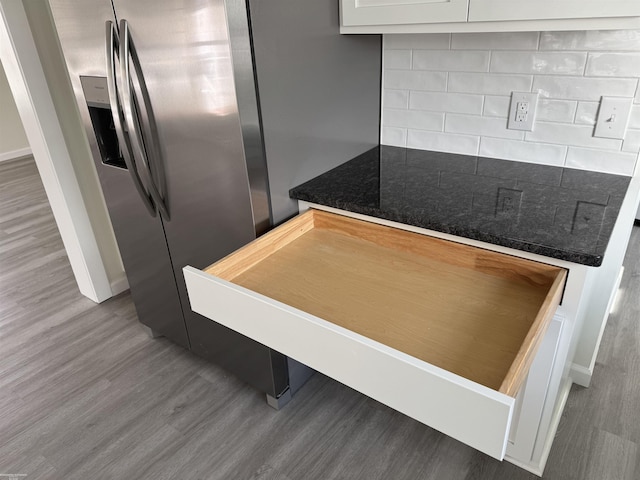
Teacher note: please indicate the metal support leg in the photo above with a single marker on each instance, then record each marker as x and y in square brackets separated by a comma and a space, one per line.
[281, 401]
[151, 333]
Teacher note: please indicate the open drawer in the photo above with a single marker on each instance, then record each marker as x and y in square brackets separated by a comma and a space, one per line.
[440, 331]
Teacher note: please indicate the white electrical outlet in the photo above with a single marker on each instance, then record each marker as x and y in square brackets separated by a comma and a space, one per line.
[613, 117]
[522, 113]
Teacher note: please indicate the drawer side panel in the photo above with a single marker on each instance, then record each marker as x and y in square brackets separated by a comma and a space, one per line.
[471, 413]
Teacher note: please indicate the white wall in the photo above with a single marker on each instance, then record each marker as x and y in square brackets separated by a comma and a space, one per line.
[52, 60]
[13, 141]
[451, 92]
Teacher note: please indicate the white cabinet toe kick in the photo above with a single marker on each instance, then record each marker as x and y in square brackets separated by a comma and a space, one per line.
[443, 332]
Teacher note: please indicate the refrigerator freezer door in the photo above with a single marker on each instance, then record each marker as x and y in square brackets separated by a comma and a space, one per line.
[81, 27]
[185, 57]
[184, 53]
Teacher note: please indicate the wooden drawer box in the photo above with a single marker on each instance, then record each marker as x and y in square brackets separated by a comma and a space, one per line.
[440, 331]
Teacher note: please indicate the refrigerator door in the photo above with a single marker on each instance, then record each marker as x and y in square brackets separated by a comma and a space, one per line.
[141, 239]
[185, 58]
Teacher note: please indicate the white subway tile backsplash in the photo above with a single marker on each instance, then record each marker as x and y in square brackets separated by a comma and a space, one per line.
[396, 137]
[451, 93]
[495, 41]
[415, 80]
[483, 126]
[601, 160]
[523, 151]
[443, 142]
[549, 63]
[634, 118]
[488, 84]
[587, 113]
[613, 64]
[419, 119]
[446, 102]
[581, 88]
[451, 60]
[400, 59]
[395, 98]
[556, 110]
[496, 106]
[631, 141]
[437, 41]
[565, 134]
[591, 40]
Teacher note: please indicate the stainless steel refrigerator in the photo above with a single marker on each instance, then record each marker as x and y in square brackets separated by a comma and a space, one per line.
[201, 114]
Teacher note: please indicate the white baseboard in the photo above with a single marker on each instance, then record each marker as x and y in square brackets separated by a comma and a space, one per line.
[119, 285]
[14, 154]
[580, 375]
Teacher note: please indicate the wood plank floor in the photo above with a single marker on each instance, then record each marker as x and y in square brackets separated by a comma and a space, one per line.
[85, 394]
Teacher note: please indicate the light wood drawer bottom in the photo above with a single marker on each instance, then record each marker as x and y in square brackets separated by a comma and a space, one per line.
[440, 331]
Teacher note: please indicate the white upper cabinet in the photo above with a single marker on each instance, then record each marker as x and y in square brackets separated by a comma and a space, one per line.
[382, 12]
[492, 10]
[417, 16]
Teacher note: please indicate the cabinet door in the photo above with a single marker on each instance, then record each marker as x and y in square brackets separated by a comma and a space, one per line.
[534, 397]
[392, 12]
[491, 10]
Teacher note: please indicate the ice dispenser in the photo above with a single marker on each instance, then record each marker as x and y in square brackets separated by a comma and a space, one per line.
[97, 98]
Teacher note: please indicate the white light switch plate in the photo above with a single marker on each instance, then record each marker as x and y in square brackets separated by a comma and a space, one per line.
[613, 117]
[522, 112]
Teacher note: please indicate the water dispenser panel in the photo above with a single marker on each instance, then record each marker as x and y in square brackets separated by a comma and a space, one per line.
[96, 95]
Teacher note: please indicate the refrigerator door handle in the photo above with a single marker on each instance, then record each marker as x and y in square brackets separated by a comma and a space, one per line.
[131, 111]
[116, 112]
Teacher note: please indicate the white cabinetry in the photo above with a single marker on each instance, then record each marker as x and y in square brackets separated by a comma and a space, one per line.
[381, 12]
[492, 10]
[415, 16]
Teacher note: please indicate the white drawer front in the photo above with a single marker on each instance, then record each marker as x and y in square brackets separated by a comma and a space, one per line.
[472, 413]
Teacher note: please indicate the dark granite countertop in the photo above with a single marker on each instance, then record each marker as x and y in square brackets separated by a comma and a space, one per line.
[552, 211]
